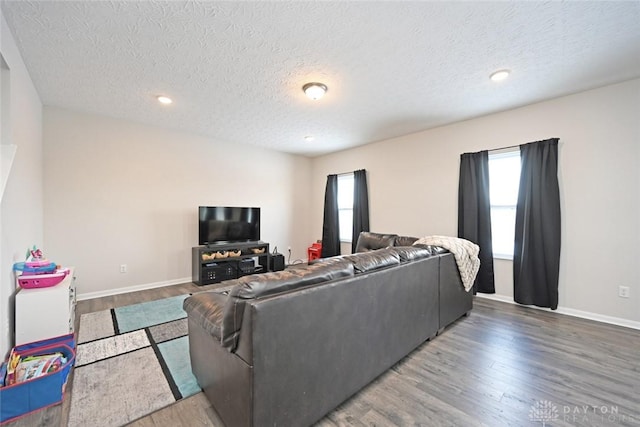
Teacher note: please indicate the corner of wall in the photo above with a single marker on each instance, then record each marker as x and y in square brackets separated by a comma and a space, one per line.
[21, 212]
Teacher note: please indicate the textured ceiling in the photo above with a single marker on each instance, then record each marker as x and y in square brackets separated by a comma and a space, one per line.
[235, 69]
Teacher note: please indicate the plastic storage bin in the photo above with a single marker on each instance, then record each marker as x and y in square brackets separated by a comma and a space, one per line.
[23, 398]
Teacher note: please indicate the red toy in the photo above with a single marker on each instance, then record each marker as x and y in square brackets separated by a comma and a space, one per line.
[314, 251]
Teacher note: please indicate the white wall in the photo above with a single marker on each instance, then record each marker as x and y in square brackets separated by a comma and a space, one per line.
[117, 192]
[21, 208]
[413, 187]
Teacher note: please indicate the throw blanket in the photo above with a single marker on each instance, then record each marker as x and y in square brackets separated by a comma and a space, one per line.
[464, 251]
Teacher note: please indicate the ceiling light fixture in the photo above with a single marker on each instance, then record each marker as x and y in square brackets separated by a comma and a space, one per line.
[314, 90]
[499, 75]
[164, 100]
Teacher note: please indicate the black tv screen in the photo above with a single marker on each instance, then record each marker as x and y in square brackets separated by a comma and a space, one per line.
[228, 224]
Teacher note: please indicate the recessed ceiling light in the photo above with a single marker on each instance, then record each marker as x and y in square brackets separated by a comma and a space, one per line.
[314, 90]
[309, 138]
[164, 100]
[499, 75]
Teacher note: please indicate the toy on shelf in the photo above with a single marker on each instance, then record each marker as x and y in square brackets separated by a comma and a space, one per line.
[38, 272]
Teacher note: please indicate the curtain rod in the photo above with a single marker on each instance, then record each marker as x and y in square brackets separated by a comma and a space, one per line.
[347, 173]
[518, 145]
[505, 148]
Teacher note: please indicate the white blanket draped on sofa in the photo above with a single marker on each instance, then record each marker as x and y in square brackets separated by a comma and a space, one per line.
[464, 251]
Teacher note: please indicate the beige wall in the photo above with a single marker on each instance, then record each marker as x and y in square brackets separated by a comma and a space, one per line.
[117, 192]
[413, 187]
[21, 209]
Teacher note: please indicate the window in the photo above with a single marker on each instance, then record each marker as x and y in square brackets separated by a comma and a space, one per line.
[345, 206]
[504, 179]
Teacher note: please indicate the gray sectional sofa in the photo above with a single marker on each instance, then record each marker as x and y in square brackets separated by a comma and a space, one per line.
[285, 348]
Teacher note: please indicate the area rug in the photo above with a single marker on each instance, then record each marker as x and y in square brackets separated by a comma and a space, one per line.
[130, 361]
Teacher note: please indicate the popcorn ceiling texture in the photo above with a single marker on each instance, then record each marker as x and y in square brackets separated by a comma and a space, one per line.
[235, 69]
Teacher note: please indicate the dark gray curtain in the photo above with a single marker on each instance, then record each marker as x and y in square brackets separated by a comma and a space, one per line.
[330, 224]
[360, 206]
[536, 255]
[474, 214]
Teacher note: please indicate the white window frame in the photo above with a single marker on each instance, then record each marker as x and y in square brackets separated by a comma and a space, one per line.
[501, 205]
[345, 205]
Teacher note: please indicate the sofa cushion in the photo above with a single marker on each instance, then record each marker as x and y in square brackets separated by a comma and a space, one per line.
[368, 241]
[206, 308]
[434, 250]
[411, 253]
[260, 285]
[323, 261]
[373, 260]
[404, 240]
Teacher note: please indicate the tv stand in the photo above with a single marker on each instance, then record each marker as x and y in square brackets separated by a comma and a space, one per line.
[240, 261]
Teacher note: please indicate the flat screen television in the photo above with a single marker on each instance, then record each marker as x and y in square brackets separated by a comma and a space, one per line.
[218, 224]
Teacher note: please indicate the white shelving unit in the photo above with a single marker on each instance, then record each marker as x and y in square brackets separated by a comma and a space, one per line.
[46, 312]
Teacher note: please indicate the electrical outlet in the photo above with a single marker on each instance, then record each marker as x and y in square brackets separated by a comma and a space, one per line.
[123, 268]
[623, 291]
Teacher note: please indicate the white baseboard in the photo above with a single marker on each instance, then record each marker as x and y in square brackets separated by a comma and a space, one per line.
[143, 287]
[569, 312]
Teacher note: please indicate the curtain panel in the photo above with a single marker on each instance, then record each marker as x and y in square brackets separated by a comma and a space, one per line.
[536, 258]
[474, 214]
[330, 223]
[360, 206]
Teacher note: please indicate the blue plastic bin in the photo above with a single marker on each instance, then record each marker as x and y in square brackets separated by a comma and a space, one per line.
[21, 399]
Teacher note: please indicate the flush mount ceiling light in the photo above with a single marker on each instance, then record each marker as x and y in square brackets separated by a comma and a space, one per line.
[314, 91]
[499, 75]
[164, 100]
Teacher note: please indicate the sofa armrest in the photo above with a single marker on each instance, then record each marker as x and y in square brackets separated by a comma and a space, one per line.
[207, 309]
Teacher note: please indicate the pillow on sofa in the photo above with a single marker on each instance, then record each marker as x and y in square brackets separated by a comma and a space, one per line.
[368, 241]
[373, 260]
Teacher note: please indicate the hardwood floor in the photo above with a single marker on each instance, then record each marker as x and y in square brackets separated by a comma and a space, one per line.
[505, 365]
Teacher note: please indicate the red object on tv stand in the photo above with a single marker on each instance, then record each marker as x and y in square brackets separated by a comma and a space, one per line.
[314, 251]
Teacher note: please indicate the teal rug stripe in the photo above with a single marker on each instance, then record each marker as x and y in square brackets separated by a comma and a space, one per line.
[176, 355]
[138, 316]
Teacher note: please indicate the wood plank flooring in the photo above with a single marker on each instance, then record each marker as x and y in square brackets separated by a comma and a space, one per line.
[505, 365]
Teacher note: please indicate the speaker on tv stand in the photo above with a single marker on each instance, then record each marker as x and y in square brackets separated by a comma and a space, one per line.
[277, 262]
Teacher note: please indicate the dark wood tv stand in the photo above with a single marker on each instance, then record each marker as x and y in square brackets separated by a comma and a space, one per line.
[206, 270]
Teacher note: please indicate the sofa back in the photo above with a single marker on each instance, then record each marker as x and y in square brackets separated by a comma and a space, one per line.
[356, 328]
[264, 285]
[292, 279]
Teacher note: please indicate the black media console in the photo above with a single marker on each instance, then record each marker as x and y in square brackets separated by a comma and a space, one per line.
[224, 261]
